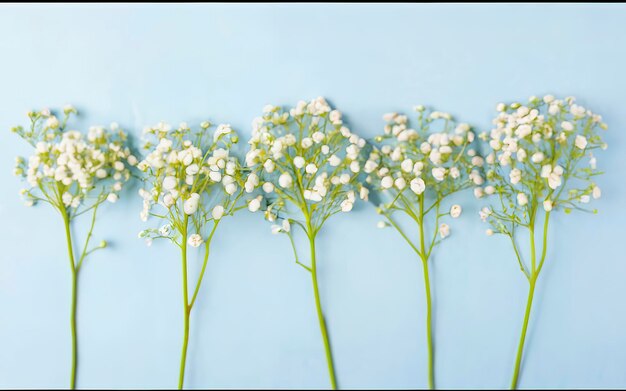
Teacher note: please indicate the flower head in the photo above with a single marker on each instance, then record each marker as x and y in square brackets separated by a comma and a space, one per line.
[190, 176]
[307, 162]
[557, 135]
[71, 169]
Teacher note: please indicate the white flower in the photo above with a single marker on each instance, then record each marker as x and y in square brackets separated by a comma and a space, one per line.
[364, 193]
[567, 126]
[191, 204]
[299, 161]
[268, 187]
[254, 204]
[522, 199]
[112, 197]
[580, 142]
[165, 230]
[386, 182]
[596, 192]
[444, 230]
[170, 183]
[515, 176]
[195, 240]
[311, 168]
[346, 205]
[439, 173]
[217, 212]
[407, 165]
[285, 180]
[417, 185]
[489, 232]
[537, 157]
[455, 211]
[547, 205]
[334, 161]
[381, 224]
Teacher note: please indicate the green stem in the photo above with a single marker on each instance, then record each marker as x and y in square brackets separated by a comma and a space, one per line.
[520, 348]
[70, 251]
[429, 332]
[183, 355]
[318, 306]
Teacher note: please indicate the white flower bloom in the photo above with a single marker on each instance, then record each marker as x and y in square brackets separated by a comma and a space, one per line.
[195, 240]
[455, 211]
[418, 185]
[444, 230]
[311, 168]
[346, 206]
[112, 197]
[489, 232]
[580, 142]
[285, 180]
[537, 157]
[190, 206]
[439, 173]
[217, 212]
[515, 176]
[254, 204]
[299, 162]
[547, 205]
[386, 182]
[522, 199]
[596, 192]
[170, 183]
[268, 187]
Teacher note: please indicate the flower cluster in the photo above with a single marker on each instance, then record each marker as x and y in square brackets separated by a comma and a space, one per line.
[535, 160]
[306, 157]
[190, 177]
[434, 160]
[69, 169]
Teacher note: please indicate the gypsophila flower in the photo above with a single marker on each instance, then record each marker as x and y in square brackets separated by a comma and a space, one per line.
[75, 173]
[307, 164]
[557, 135]
[414, 168]
[191, 181]
[305, 158]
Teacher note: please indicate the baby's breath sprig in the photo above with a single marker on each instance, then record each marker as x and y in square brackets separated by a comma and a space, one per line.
[307, 164]
[413, 170]
[536, 167]
[191, 182]
[75, 174]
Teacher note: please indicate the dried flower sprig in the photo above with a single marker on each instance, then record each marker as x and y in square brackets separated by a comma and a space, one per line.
[74, 174]
[191, 182]
[307, 163]
[535, 167]
[413, 171]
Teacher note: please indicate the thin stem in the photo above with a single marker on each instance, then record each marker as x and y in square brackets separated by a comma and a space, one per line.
[183, 355]
[429, 337]
[520, 348]
[207, 250]
[318, 306]
[70, 251]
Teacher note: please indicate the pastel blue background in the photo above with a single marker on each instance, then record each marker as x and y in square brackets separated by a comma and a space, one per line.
[255, 324]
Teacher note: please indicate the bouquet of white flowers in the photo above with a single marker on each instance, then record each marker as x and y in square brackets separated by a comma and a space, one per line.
[535, 167]
[413, 171]
[307, 163]
[75, 174]
[191, 182]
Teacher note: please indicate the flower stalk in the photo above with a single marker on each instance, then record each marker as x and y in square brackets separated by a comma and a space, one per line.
[194, 181]
[74, 173]
[408, 164]
[535, 160]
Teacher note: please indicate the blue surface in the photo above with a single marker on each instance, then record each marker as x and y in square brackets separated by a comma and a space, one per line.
[255, 323]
